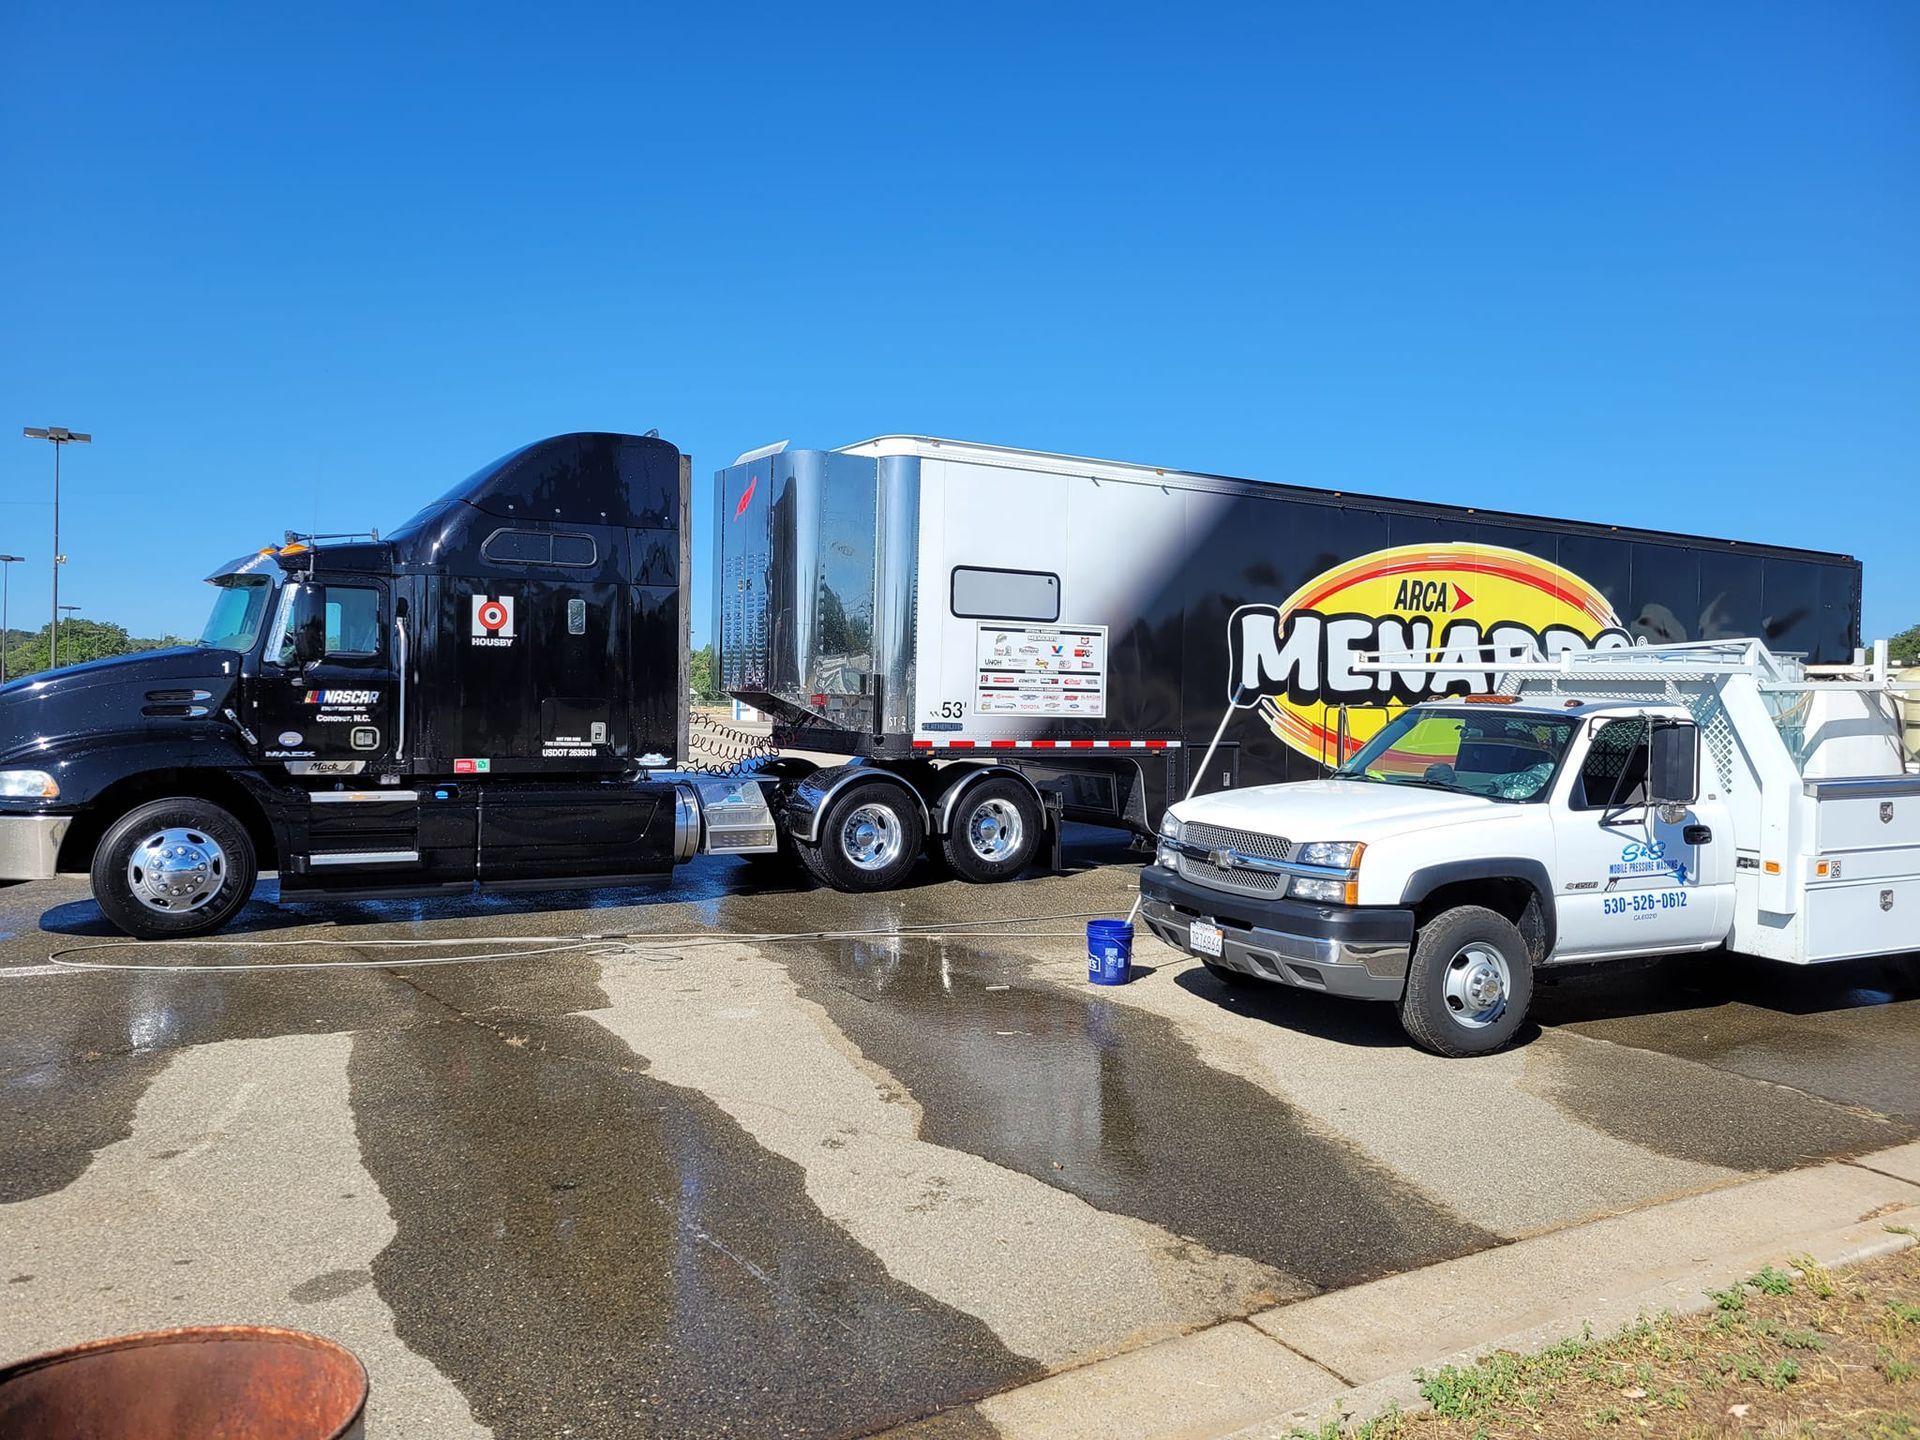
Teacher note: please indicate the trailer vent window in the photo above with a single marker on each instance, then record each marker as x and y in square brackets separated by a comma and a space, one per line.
[539, 547]
[980, 593]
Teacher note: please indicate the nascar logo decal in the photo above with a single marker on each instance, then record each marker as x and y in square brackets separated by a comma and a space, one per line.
[337, 697]
[493, 620]
[1293, 662]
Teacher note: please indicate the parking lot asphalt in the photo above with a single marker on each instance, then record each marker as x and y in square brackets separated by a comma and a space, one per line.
[707, 1182]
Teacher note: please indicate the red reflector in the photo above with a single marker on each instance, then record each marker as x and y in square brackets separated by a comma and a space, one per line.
[1081, 744]
[1002, 744]
[960, 744]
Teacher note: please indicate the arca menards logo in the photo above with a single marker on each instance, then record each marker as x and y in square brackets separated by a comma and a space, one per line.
[1293, 662]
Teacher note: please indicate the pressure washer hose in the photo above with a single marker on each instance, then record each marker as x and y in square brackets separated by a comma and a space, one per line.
[596, 945]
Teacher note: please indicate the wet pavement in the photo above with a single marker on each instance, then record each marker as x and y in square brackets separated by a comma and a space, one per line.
[697, 1181]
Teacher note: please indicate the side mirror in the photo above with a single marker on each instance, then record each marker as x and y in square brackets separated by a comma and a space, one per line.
[1673, 763]
[309, 625]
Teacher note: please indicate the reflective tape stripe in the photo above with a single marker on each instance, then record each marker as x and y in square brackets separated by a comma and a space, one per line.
[1047, 744]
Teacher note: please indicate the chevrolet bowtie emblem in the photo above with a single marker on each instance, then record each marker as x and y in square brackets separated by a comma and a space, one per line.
[1223, 859]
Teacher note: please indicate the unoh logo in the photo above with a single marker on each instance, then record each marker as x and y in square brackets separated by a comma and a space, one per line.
[1295, 661]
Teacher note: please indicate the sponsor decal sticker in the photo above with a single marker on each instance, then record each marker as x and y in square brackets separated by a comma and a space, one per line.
[291, 737]
[340, 698]
[493, 620]
[1293, 661]
[472, 767]
[1647, 858]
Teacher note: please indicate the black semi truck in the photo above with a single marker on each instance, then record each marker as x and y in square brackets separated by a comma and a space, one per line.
[496, 693]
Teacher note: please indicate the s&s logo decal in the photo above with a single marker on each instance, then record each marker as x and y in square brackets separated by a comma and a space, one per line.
[493, 620]
[1293, 661]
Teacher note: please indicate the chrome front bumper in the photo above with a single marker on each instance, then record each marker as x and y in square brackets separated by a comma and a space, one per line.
[1358, 953]
[30, 845]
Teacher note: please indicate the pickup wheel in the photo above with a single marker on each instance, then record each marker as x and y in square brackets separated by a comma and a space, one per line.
[869, 839]
[993, 832]
[173, 869]
[1469, 985]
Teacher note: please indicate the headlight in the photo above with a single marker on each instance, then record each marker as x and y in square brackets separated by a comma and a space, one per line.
[1331, 891]
[1334, 854]
[28, 785]
[1165, 856]
[1169, 827]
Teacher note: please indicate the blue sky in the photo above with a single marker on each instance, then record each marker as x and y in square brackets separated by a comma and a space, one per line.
[304, 266]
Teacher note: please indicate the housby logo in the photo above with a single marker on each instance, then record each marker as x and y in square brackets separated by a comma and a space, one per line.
[1294, 661]
[493, 620]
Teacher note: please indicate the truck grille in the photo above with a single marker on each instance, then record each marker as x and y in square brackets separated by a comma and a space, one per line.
[1255, 883]
[1219, 837]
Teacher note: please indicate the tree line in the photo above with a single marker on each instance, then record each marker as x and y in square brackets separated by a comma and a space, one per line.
[80, 640]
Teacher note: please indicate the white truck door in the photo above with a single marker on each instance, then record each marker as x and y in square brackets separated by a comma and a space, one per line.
[1628, 881]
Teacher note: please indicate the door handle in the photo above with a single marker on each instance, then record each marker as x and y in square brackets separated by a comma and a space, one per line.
[1697, 835]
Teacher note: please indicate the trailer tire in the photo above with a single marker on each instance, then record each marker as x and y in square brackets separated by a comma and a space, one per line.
[1469, 985]
[993, 832]
[212, 872]
[868, 840]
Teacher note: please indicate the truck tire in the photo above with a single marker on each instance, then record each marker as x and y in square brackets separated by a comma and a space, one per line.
[992, 832]
[1469, 985]
[869, 839]
[173, 868]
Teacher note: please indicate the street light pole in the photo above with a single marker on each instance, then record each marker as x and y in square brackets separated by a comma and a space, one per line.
[7, 562]
[57, 435]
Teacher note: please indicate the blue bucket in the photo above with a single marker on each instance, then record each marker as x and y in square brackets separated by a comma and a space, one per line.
[1109, 952]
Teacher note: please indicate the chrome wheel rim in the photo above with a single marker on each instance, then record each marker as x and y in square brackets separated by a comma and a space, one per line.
[176, 871]
[871, 837]
[1477, 985]
[995, 830]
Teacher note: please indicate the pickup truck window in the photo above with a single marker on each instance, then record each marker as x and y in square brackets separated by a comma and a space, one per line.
[1497, 754]
[1615, 769]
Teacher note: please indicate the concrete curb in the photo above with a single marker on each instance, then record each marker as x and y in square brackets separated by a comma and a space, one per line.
[1351, 1353]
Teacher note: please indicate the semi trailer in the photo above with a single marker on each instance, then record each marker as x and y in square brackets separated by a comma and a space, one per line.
[986, 642]
[980, 629]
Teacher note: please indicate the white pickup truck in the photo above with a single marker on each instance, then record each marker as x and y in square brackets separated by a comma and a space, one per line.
[1599, 806]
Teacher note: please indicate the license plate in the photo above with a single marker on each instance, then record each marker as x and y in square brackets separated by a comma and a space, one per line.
[1202, 938]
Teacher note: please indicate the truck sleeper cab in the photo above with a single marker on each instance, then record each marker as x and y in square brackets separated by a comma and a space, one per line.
[480, 697]
[1585, 817]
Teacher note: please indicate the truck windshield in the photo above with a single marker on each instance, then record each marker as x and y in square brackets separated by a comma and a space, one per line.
[239, 610]
[1476, 751]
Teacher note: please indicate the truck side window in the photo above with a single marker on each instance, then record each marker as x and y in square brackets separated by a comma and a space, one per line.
[980, 593]
[353, 620]
[1615, 770]
[539, 547]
